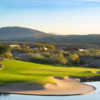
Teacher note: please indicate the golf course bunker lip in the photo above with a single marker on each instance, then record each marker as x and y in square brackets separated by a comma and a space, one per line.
[64, 87]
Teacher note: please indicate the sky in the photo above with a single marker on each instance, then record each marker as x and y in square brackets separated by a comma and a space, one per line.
[52, 16]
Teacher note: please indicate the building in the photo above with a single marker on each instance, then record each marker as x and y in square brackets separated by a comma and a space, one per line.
[14, 46]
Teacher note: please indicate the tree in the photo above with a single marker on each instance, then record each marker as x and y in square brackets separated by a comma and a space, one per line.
[4, 49]
[74, 58]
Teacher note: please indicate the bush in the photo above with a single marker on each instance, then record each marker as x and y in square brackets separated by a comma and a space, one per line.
[48, 59]
[74, 58]
[58, 59]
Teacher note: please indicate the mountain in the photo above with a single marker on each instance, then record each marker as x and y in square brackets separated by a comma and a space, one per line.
[27, 34]
[19, 33]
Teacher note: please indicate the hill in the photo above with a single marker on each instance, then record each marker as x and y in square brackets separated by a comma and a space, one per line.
[27, 34]
[20, 33]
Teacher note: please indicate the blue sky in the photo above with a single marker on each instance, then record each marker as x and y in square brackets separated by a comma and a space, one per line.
[54, 16]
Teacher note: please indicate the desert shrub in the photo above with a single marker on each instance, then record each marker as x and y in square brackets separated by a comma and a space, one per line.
[48, 59]
[74, 58]
[58, 59]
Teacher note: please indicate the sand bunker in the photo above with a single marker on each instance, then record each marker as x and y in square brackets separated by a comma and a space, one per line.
[63, 86]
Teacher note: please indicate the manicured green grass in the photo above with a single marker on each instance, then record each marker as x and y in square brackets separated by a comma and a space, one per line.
[19, 71]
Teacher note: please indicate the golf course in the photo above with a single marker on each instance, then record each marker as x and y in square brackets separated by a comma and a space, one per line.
[15, 71]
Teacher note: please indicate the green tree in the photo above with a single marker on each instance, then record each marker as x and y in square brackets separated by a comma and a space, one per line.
[4, 49]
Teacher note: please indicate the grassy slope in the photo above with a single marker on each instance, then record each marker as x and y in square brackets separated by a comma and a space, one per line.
[19, 71]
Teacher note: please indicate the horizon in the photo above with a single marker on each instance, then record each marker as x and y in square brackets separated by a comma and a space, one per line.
[46, 32]
[62, 17]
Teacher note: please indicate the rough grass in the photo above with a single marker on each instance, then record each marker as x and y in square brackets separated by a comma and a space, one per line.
[19, 71]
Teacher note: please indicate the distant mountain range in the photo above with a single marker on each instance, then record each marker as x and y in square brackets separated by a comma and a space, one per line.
[27, 34]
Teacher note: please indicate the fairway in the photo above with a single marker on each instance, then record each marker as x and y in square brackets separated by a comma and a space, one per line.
[18, 71]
